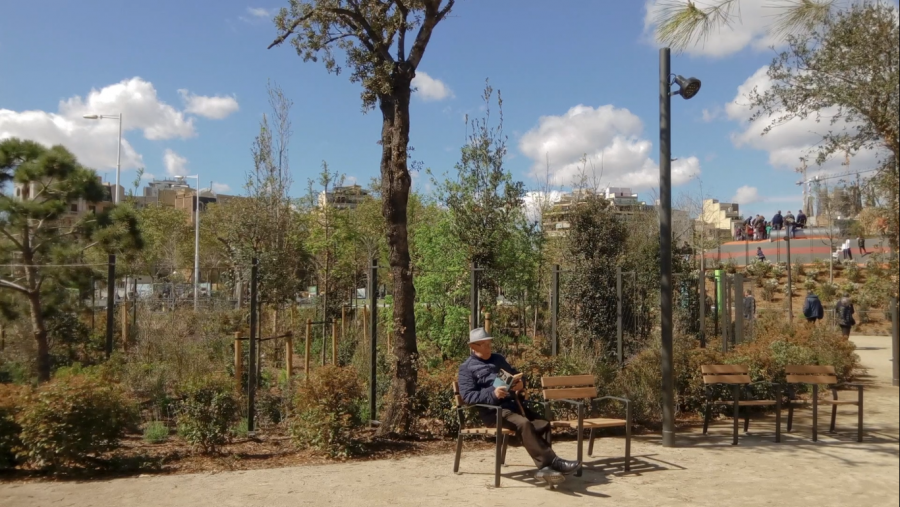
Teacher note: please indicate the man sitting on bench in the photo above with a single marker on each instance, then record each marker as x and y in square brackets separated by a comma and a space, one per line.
[476, 386]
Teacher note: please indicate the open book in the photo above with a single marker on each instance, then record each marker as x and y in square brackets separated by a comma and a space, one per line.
[506, 379]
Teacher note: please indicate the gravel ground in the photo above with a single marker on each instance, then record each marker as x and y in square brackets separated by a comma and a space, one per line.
[701, 471]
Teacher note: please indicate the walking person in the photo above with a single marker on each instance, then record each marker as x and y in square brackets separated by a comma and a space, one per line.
[847, 253]
[861, 244]
[812, 308]
[749, 306]
[844, 311]
[760, 256]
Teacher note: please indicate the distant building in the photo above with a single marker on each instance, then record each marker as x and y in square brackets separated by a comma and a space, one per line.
[78, 207]
[346, 197]
[721, 216]
[623, 202]
[177, 193]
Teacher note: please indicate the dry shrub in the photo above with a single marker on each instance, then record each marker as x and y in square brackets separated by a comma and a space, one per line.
[206, 412]
[327, 411]
[11, 403]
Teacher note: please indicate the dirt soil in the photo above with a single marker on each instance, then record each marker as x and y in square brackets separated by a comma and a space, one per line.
[701, 471]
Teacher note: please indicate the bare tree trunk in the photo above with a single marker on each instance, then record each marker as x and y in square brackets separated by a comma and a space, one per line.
[40, 336]
[395, 187]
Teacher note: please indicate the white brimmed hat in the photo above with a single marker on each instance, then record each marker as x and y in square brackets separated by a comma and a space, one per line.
[479, 335]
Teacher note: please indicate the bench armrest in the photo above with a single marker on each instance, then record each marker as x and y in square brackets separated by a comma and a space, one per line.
[615, 398]
[571, 402]
[491, 407]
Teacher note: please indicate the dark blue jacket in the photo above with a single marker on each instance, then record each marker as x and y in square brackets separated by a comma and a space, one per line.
[476, 383]
[778, 220]
[812, 308]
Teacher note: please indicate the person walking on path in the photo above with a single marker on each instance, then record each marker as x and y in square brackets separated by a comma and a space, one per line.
[861, 244]
[812, 308]
[760, 256]
[476, 386]
[847, 250]
[749, 306]
[844, 311]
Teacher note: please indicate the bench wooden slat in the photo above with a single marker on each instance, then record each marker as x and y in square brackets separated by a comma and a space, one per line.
[485, 431]
[458, 400]
[839, 402]
[726, 379]
[811, 379]
[809, 369]
[723, 369]
[570, 381]
[747, 403]
[573, 393]
[598, 422]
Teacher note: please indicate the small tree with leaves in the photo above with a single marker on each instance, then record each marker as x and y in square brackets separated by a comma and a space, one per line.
[38, 238]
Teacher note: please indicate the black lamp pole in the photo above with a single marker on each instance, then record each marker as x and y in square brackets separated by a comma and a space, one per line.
[665, 247]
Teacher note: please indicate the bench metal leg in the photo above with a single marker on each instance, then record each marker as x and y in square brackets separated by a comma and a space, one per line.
[859, 407]
[737, 409]
[706, 418]
[498, 452]
[628, 438]
[815, 421]
[747, 420]
[459, 442]
[503, 453]
[580, 439]
[790, 421]
[779, 393]
[591, 443]
[833, 418]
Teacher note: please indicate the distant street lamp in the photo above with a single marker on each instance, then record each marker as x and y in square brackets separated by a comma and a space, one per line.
[118, 149]
[196, 246]
[789, 230]
[688, 87]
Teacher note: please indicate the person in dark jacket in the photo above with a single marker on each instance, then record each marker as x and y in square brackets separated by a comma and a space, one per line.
[777, 221]
[760, 256]
[861, 244]
[812, 308]
[801, 219]
[476, 386]
[844, 312]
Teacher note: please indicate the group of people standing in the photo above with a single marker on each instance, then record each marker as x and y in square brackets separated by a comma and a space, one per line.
[756, 228]
[843, 312]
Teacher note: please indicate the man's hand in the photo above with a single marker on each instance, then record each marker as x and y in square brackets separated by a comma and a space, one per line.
[518, 385]
[500, 392]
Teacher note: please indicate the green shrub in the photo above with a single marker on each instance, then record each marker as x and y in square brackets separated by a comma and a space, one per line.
[828, 291]
[71, 421]
[11, 401]
[778, 270]
[156, 432]
[434, 400]
[327, 411]
[206, 413]
[240, 429]
[769, 288]
[853, 273]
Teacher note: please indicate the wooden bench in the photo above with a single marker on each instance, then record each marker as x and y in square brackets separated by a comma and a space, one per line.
[499, 432]
[582, 387]
[816, 376]
[738, 377]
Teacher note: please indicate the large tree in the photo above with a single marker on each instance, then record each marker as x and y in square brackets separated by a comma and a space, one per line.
[40, 241]
[373, 35]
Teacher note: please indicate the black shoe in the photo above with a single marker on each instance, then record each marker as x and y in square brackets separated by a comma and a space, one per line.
[564, 466]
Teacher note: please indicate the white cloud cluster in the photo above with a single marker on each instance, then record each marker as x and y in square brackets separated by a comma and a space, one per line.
[534, 201]
[220, 188]
[215, 108]
[611, 140]
[257, 15]
[94, 141]
[790, 141]
[746, 195]
[750, 26]
[430, 89]
[175, 164]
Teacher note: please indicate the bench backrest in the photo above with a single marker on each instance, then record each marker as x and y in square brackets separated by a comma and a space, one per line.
[569, 388]
[457, 398]
[810, 374]
[725, 374]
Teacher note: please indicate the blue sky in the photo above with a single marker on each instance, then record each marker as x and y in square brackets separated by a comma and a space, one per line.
[577, 77]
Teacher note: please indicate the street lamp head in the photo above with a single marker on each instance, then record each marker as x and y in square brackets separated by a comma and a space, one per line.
[689, 86]
[91, 117]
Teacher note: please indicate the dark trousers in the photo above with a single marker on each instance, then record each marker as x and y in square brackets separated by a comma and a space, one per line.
[845, 331]
[532, 431]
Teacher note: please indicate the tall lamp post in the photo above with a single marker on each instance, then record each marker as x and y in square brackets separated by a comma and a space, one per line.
[688, 87]
[196, 246]
[118, 149]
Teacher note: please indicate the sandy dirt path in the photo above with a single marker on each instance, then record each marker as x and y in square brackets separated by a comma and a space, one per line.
[702, 471]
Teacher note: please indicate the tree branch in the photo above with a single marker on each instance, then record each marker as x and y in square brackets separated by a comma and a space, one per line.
[432, 17]
[290, 31]
[401, 41]
[16, 287]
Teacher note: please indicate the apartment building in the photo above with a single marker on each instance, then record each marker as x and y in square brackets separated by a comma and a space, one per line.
[345, 197]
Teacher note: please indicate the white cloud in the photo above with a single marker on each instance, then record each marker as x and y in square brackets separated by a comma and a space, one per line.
[220, 188]
[712, 114]
[533, 201]
[431, 89]
[176, 165]
[750, 26]
[610, 139]
[790, 141]
[216, 107]
[746, 195]
[260, 12]
[94, 141]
